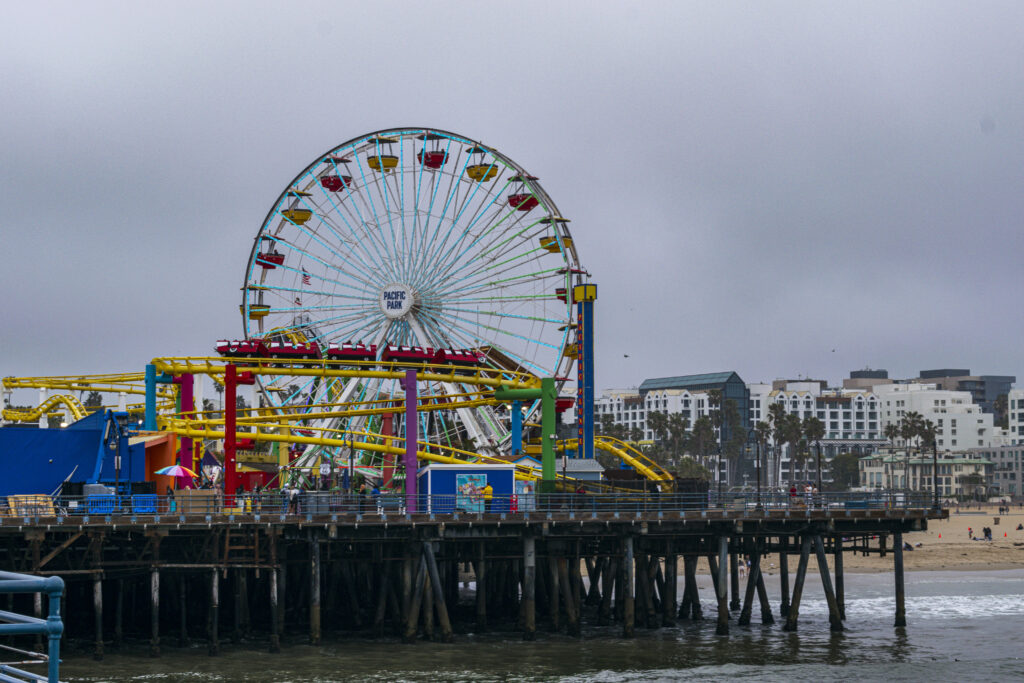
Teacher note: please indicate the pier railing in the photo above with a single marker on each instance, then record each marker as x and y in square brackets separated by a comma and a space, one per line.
[12, 623]
[333, 503]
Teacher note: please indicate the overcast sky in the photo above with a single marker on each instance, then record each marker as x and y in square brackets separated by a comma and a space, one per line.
[779, 189]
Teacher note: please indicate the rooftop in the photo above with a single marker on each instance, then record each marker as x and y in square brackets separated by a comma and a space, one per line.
[689, 381]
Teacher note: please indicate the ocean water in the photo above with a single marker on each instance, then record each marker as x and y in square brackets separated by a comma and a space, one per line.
[962, 626]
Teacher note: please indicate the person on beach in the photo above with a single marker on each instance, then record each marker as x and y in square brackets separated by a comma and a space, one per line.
[970, 533]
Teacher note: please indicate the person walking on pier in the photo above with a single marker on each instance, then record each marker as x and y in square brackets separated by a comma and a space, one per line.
[488, 494]
[171, 507]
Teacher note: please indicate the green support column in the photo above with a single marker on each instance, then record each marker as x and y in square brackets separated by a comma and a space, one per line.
[547, 395]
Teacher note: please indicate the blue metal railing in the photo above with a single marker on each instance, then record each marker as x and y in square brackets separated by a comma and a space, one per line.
[12, 623]
[324, 503]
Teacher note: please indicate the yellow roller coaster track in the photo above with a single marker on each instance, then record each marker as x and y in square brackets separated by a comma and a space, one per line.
[74, 406]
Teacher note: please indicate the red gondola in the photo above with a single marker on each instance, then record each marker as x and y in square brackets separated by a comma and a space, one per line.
[561, 294]
[522, 202]
[270, 259]
[563, 404]
[335, 183]
[432, 158]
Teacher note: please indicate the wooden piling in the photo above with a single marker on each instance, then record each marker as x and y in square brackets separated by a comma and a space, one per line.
[762, 595]
[481, 587]
[275, 620]
[97, 603]
[837, 566]
[668, 603]
[722, 627]
[183, 610]
[835, 623]
[553, 592]
[154, 612]
[529, 588]
[412, 616]
[314, 591]
[213, 617]
[897, 557]
[784, 575]
[439, 603]
[748, 596]
[383, 587]
[628, 609]
[572, 622]
[604, 610]
[118, 613]
[734, 574]
[595, 568]
[798, 586]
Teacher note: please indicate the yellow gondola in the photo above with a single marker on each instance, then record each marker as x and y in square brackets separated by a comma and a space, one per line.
[571, 351]
[382, 163]
[551, 244]
[482, 172]
[297, 216]
[256, 311]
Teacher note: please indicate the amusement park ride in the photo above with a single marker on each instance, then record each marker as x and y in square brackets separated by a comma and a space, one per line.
[411, 294]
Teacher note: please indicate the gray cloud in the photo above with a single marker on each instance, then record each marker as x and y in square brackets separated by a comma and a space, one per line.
[751, 185]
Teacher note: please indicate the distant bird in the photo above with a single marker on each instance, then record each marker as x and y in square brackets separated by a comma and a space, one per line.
[833, 350]
[625, 355]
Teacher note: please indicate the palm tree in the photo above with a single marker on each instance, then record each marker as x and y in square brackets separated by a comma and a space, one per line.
[762, 432]
[678, 426]
[776, 416]
[891, 431]
[814, 429]
[929, 433]
[910, 428]
[793, 434]
[703, 437]
[657, 422]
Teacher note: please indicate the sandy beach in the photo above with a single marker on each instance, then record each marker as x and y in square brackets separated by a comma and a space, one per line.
[946, 546]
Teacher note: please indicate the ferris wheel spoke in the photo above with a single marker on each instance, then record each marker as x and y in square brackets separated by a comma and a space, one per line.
[369, 197]
[453, 180]
[453, 187]
[481, 211]
[498, 314]
[351, 244]
[314, 257]
[484, 278]
[455, 320]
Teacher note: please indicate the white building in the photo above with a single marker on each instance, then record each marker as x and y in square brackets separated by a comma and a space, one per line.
[960, 424]
[957, 472]
[628, 408]
[850, 416]
[1015, 414]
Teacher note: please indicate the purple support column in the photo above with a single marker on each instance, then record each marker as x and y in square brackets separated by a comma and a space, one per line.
[411, 436]
[187, 406]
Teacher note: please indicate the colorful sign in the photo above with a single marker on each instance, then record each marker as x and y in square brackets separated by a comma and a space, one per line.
[526, 496]
[469, 492]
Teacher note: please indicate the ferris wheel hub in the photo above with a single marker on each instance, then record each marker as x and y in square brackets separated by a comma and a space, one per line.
[396, 300]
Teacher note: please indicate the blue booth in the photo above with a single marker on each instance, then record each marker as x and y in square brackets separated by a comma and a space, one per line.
[458, 488]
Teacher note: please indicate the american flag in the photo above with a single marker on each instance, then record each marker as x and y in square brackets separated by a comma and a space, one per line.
[305, 277]
[298, 301]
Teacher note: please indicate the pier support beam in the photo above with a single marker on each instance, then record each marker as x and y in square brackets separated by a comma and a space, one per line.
[529, 588]
[439, 604]
[412, 616]
[897, 557]
[784, 575]
[275, 610]
[629, 608]
[837, 565]
[154, 612]
[834, 621]
[553, 591]
[214, 612]
[97, 603]
[314, 591]
[481, 587]
[604, 610]
[722, 627]
[748, 597]
[798, 585]
[734, 573]
[668, 598]
[572, 621]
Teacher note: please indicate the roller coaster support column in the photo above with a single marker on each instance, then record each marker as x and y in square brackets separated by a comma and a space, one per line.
[516, 427]
[232, 379]
[186, 382]
[584, 296]
[547, 395]
[411, 436]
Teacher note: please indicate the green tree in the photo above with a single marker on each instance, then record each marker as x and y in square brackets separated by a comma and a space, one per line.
[657, 422]
[702, 440]
[891, 431]
[845, 471]
[793, 431]
[762, 432]
[93, 402]
[688, 468]
[678, 432]
[737, 439]
[910, 429]
[1000, 409]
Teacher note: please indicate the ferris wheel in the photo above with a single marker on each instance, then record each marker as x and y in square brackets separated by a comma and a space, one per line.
[419, 238]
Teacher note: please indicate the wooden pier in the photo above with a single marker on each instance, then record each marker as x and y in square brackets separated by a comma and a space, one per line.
[178, 579]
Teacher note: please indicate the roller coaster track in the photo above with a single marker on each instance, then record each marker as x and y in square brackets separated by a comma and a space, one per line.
[74, 406]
